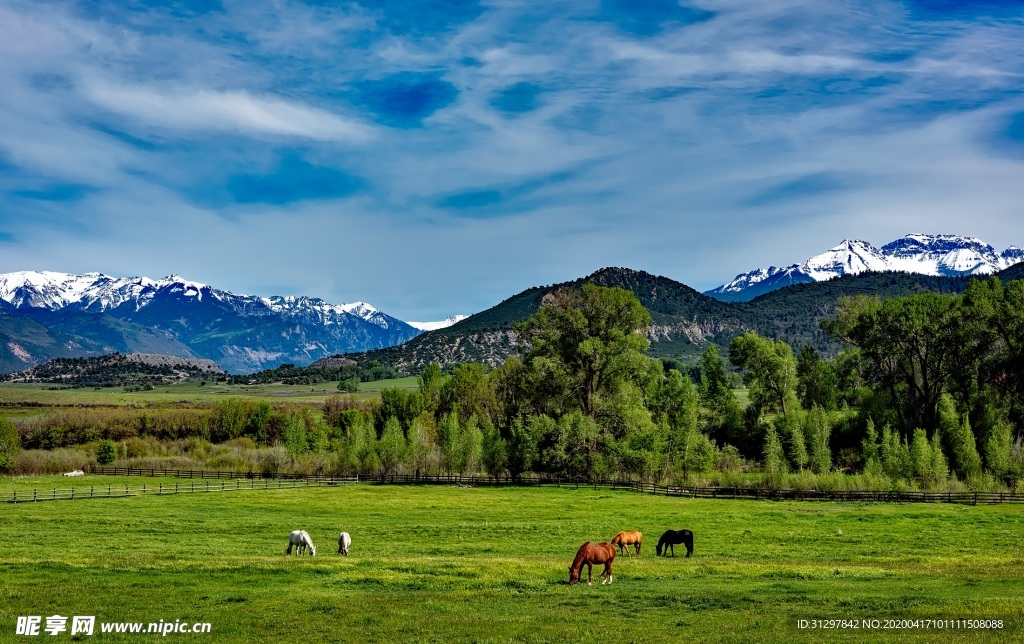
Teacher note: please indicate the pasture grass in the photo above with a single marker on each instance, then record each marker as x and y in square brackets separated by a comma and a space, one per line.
[36, 398]
[445, 564]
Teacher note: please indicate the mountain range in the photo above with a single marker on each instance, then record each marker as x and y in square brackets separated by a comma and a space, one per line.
[45, 315]
[684, 322]
[945, 255]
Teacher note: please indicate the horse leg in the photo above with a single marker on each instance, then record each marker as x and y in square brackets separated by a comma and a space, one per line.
[590, 574]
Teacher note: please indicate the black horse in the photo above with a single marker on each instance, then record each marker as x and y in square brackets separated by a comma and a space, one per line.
[671, 538]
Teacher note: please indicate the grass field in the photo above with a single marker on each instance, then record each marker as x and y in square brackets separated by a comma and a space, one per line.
[12, 394]
[448, 564]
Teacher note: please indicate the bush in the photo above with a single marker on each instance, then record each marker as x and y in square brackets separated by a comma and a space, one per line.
[57, 461]
[106, 452]
[10, 443]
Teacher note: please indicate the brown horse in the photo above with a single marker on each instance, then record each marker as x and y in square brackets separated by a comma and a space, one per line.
[590, 554]
[626, 539]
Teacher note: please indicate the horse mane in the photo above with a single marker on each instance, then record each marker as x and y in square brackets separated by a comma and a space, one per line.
[580, 554]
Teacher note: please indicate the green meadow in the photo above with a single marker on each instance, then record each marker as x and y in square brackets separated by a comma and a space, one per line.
[19, 399]
[490, 565]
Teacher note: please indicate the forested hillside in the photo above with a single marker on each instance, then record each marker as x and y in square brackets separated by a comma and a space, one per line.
[683, 321]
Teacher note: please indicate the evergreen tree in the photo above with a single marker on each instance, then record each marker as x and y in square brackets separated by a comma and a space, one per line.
[448, 438]
[700, 453]
[895, 454]
[391, 447]
[921, 459]
[472, 440]
[495, 452]
[966, 460]
[106, 452]
[523, 445]
[869, 450]
[940, 468]
[999, 451]
[421, 443]
[430, 383]
[294, 435]
[714, 385]
[774, 458]
[791, 429]
[817, 432]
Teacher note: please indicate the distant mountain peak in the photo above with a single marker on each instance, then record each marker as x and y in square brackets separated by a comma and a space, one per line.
[441, 324]
[946, 255]
[235, 330]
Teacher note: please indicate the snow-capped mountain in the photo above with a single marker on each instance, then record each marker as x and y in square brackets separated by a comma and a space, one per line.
[946, 255]
[239, 332]
[434, 326]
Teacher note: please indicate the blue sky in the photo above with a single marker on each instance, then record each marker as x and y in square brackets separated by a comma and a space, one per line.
[435, 157]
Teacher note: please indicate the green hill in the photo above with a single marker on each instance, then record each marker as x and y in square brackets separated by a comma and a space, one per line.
[683, 321]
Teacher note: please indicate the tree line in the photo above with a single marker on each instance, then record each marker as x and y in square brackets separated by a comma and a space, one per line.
[927, 393]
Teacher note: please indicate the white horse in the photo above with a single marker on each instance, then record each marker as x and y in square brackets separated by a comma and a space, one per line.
[344, 543]
[300, 540]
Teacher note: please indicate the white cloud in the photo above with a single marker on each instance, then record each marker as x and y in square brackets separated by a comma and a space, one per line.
[228, 111]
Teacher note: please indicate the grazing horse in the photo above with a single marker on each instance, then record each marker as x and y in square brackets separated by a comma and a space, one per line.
[672, 537]
[344, 543]
[300, 540]
[590, 554]
[626, 539]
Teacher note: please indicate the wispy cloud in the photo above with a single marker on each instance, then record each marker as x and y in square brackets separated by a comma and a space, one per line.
[695, 139]
[229, 111]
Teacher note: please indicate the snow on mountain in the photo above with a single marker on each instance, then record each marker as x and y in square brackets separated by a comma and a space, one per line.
[946, 255]
[100, 293]
[433, 326]
[90, 291]
[240, 332]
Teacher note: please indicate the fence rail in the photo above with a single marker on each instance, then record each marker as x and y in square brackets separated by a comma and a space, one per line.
[211, 474]
[203, 487]
[231, 481]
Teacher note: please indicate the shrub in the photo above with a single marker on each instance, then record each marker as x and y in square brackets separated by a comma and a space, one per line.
[106, 452]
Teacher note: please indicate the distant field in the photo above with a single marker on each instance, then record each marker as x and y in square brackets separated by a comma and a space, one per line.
[489, 565]
[193, 392]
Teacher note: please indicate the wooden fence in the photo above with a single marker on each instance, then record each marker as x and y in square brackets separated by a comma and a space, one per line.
[202, 487]
[211, 474]
[230, 481]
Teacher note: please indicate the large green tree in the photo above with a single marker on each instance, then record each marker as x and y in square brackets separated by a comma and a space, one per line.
[910, 347]
[590, 341]
[771, 371]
